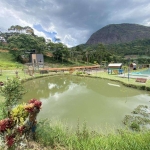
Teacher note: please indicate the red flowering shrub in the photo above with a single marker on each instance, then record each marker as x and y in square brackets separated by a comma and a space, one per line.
[9, 128]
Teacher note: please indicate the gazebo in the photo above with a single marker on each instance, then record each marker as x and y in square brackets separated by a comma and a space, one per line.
[115, 67]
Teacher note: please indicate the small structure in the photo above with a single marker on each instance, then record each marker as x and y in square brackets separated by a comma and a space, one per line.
[133, 66]
[38, 60]
[115, 67]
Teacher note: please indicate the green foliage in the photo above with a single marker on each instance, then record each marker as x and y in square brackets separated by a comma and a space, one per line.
[19, 114]
[116, 52]
[48, 135]
[60, 137]
[137, 47]
[26, 42]
[96, 53]
[13, 92]
[135, 126]
[60, 51]
[1, 110]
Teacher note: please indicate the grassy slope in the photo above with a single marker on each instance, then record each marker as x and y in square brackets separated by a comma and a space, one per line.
[7, 62]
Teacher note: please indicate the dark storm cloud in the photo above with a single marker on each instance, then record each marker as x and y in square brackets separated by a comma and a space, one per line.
[75, 20]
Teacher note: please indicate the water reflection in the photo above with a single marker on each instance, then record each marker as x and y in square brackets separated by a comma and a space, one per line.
[93, 100]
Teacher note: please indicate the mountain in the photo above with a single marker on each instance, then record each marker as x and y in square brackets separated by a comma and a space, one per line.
[119, 33]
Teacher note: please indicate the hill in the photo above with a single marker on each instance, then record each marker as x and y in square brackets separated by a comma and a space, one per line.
[119, 33]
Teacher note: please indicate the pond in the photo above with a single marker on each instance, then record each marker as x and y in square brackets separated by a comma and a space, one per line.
[99, 102]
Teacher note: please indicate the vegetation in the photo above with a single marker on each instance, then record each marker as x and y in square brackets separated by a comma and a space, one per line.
[136, 51]
[137, 47]
[20, 119]
[56, 136]
[13, 92]
[18, 42]
[7, 62]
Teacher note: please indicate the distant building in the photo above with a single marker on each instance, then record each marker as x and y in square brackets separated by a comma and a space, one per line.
[133, 66]
[37, 60]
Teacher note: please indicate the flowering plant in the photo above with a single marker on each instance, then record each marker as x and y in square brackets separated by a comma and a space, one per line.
[21, 121]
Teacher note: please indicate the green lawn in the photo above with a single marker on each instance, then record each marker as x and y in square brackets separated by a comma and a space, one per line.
[131, 82]
[114, 77]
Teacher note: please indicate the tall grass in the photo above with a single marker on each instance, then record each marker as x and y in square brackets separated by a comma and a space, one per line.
[58, 136]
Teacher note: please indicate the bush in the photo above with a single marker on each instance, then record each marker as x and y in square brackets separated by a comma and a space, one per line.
[13, 92]
[135, 126]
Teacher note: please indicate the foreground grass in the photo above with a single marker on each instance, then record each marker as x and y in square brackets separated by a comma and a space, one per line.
[59, 137]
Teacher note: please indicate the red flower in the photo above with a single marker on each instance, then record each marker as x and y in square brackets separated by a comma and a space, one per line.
[36, 103]
[10, 140]
[5, 124]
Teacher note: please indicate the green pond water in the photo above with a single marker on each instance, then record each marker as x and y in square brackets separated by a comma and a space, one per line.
[99, 102]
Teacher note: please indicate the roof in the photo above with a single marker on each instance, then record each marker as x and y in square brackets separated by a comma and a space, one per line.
[133, 64]
[115, 64]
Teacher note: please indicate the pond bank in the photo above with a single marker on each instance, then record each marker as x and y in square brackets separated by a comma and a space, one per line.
[131, 82]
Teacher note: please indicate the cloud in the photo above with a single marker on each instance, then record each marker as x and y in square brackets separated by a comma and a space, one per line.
[51, 35]
[73, 21]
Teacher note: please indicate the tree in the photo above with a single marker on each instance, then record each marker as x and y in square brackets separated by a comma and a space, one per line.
[13, 92]
[100, 52]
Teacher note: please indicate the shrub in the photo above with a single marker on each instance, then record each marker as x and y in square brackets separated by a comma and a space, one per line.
[13, 92]
[20, 124]
[20, 121]
[135, 126]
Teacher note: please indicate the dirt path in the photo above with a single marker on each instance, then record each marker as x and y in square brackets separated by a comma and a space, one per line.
[5, 51]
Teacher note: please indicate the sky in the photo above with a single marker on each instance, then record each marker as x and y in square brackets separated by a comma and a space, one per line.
[71, 21]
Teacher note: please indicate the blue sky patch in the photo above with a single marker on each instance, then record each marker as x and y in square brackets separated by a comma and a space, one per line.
[51, 35]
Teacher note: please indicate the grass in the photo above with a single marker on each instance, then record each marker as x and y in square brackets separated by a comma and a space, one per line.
[60, 137]
[130, 83]
[7, 62]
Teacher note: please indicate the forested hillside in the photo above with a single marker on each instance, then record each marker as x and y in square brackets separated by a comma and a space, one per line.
[18, 41]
